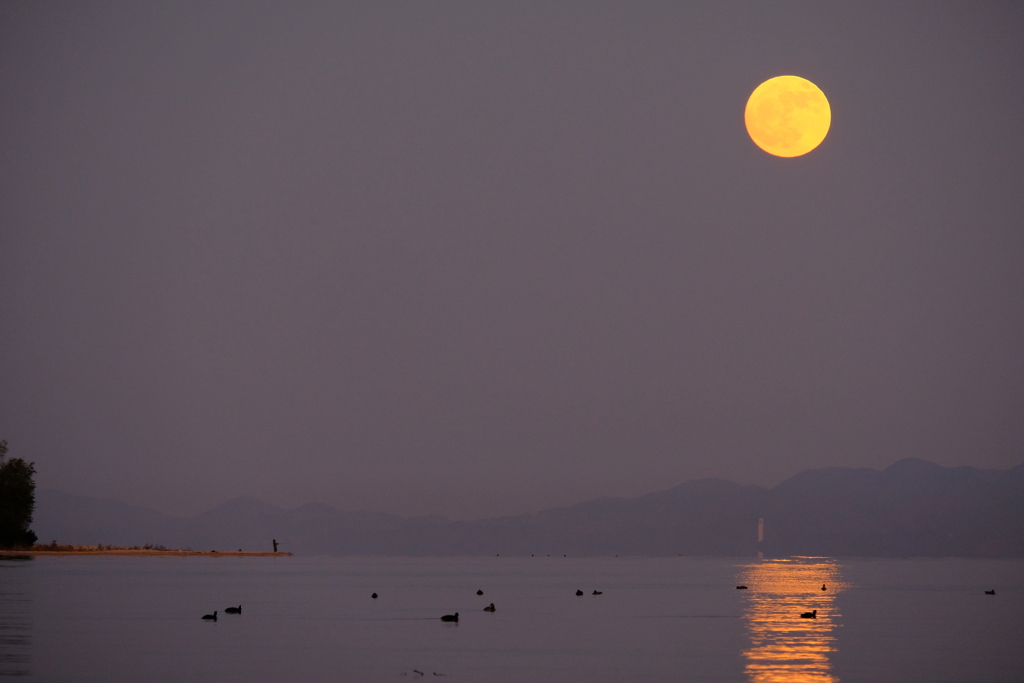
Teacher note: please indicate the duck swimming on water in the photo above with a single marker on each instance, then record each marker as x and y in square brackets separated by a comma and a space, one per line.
[813, 614]
[450, 617]
[490, 608]
[233, 610]
[210, 617]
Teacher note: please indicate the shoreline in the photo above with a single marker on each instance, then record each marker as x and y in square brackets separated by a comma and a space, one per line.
[137, 552]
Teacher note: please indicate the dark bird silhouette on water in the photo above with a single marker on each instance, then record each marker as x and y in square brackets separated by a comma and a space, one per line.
[233, 610]
[275, 545]
[741, 588]
[450, 617]
[417, 671]
[823, 587]
[210, 617]
[813, 614]
[579, 592]
[598, 593]
[489, 608]
[374, 596]
[991, 592]
[479, 592]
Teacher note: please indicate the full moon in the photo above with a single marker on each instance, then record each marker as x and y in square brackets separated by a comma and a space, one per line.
[787, 116]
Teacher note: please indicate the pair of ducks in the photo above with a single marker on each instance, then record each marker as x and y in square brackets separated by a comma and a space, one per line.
[813, 614]
[489, 608]
[229, 610]
[455, 617]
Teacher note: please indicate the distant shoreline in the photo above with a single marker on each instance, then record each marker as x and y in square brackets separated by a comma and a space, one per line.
[80, 550]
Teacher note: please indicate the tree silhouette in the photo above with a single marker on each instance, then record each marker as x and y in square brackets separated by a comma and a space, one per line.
[17, 501]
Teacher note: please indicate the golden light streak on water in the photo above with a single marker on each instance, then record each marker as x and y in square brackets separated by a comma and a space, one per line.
[783, 647]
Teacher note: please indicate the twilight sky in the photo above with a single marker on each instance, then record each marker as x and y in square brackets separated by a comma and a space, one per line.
[483, 258]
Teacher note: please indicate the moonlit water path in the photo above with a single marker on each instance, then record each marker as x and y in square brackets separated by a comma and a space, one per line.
[784, 648]
[312, 619]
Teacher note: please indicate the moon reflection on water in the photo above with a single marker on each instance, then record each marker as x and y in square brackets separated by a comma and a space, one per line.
[783, 647]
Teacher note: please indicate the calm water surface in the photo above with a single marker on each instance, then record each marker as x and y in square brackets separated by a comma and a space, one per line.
[118, 619]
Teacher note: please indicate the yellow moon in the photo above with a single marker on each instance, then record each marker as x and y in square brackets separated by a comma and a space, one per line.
[787, 116]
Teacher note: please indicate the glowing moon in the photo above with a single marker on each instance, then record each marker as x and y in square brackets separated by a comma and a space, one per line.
[787, 116]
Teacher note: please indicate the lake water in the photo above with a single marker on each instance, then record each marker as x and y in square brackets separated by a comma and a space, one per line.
[115, 619]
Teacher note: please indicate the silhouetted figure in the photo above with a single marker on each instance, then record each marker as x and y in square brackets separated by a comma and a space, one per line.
[233, 610]
[991, 592]
[275, 545]
[598, 593]
[823, 587]
[450, 617]
[813, 614]
[741, 588]
[479, 592]
[579, 592]
[374, 596]
[490, 608]
[210, 617]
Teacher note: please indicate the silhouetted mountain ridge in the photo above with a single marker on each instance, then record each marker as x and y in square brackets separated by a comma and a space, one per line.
[912, 508]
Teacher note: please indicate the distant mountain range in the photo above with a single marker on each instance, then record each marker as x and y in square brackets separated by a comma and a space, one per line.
[912, 509]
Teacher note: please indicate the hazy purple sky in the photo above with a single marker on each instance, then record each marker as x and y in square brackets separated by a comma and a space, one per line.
[482, 258]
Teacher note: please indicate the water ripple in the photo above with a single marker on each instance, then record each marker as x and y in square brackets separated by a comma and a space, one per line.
[15, 618]
[784, 647]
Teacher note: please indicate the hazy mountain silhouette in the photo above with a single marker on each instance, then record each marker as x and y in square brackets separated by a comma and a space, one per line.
[912, 509]
[69, 518]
